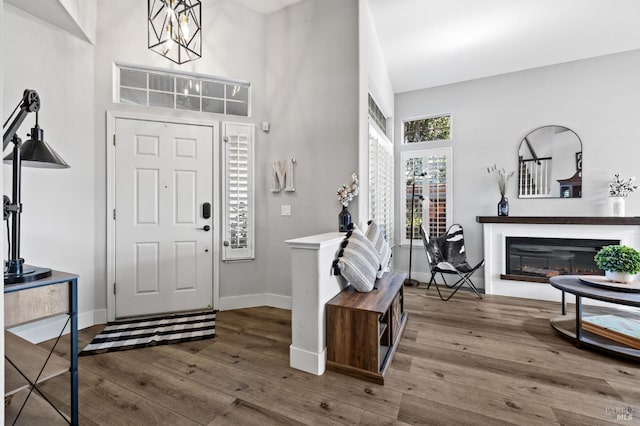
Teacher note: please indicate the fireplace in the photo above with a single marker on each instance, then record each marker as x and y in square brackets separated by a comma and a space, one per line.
[496, 230]
[537, 259]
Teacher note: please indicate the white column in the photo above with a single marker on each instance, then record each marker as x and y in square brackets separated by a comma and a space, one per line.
[313, 284]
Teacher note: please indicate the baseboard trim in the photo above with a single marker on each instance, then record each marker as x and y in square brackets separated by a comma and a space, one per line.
[254, 301]
[311, 362]
[424, 278]
[278, 301]
[49, 328]
[100, 316]
[39, 331]
[241, 302]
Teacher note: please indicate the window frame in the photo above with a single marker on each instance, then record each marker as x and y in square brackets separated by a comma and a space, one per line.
[199, 80]
[425, 152]
[229, 253]
[426, 117]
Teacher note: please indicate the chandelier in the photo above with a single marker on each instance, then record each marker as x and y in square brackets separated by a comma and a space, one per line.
[175, 30]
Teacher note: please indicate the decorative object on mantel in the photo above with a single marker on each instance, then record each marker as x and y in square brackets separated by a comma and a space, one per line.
[346, 193]
[620, 263]
[283, 175]
[619, 189]
[175, 29]
[502, 179]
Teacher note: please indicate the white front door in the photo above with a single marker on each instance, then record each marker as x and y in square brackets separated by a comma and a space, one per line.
[163, 237]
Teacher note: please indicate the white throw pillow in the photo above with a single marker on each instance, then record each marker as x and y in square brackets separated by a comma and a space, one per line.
[374, 234]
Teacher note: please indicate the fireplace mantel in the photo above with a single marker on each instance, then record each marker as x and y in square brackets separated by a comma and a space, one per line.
[561, 220]
[497, 228]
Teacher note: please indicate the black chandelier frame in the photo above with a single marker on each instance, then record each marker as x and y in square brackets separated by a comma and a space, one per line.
[165, 22]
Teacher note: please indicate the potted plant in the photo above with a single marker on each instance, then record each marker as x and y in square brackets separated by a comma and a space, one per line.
[346, 193]
[620, 263]
[502, 179]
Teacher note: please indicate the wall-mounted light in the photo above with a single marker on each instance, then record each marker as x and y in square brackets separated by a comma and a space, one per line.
[175, 30]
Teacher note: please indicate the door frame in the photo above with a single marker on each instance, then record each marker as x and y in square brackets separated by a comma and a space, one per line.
[111, 118]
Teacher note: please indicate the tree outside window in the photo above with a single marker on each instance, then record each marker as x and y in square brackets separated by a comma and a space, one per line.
[428, 129]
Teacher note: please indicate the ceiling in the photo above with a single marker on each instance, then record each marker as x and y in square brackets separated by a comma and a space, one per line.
[267, 6]
[429, 43]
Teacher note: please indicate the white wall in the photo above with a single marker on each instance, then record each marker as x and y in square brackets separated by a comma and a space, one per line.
[312, 68]
[233, 47]
[373, 78]
[58, 219]
[2, 231]
[596, 98]
[312, 91]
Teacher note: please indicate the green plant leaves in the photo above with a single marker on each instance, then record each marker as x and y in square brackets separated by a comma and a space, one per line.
[616, 258]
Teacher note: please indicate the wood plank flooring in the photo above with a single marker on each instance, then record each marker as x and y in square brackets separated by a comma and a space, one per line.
[494, 361]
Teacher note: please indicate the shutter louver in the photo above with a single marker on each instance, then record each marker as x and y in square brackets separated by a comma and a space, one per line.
[381, 182]
[238, 192]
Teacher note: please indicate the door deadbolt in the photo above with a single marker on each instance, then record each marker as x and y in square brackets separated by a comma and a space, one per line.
[206, 210]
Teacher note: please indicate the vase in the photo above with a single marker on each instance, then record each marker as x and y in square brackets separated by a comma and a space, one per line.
[616, 206]
[619, 277]
[344, 220]
[503, 206]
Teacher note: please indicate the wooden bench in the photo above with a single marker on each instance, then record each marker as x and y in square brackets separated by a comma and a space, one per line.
[364, 329]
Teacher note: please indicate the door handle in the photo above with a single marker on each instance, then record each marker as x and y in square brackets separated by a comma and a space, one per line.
[205, 228]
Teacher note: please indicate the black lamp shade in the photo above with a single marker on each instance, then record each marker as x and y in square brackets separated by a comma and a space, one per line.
[35, 152]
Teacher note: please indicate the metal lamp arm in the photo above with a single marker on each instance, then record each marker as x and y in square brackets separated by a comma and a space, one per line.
[30, 103]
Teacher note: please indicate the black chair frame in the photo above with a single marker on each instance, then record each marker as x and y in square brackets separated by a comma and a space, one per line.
[446, 258]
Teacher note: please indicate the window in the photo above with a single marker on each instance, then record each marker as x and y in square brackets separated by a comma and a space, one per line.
[381, 181]
[377, 115]
[155, 88]
[431, 198]
[238, 192]
[437, 128]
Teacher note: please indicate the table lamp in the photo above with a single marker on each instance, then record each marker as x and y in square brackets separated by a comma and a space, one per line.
[35, 152]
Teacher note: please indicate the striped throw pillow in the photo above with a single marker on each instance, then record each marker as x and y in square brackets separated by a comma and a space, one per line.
[358, 261]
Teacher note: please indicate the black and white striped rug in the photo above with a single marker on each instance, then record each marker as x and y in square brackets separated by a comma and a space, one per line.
[161, 330]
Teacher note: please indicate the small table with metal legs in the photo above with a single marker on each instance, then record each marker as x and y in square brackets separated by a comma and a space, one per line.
[572, 326]
[27, 365]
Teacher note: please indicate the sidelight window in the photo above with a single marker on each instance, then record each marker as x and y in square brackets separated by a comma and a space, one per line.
[238, 192]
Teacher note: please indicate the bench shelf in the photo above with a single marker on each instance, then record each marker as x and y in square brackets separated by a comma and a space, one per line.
[364, 329]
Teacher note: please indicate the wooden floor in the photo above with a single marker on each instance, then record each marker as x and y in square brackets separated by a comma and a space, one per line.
[462, 362]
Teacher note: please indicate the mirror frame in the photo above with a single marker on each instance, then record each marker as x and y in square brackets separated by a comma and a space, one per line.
[570, 187]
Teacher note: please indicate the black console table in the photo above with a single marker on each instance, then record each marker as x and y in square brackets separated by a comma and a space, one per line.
[27, 365]
[572, 327]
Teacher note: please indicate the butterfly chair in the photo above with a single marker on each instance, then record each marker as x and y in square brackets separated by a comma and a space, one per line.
[446, 255]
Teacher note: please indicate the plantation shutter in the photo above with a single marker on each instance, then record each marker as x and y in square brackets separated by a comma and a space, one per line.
[381, 181]
[432, 207]
[238, 192]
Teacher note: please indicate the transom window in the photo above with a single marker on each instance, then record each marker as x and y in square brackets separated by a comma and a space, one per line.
[429, 129]
[377, 115]
[156, 88]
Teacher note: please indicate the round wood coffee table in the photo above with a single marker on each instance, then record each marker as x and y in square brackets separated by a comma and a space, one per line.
[572, 327]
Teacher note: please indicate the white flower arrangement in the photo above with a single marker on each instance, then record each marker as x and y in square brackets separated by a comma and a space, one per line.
[501, 177]
[621, 187]
[346, 193]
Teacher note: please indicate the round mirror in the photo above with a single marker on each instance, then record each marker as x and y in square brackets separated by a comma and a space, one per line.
[550, 164]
